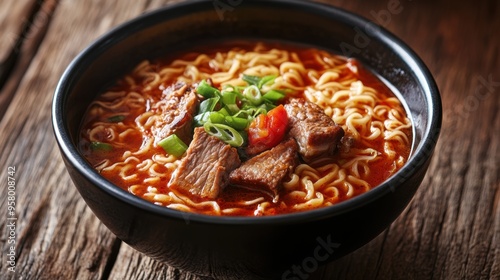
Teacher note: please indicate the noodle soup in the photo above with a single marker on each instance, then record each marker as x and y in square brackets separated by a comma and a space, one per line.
[127, 131]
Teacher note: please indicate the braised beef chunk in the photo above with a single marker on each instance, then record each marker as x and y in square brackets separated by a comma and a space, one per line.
[267, 170]
[316, 133]
[177, 110]
[204, 170]
[253, 150]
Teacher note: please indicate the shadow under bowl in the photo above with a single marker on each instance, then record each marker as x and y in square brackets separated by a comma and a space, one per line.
[246, 247]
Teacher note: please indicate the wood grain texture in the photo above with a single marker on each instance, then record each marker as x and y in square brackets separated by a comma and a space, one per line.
[451, 229]
[15, 15]
[35, 20]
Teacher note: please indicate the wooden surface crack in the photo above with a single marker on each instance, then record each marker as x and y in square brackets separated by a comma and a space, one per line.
[111, 259]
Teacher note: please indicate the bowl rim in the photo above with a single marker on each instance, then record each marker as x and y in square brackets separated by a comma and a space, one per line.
[420, 155]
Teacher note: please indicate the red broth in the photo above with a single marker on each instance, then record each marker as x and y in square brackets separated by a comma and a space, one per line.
[231, 197]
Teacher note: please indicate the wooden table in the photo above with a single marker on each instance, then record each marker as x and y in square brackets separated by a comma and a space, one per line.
[451, 230]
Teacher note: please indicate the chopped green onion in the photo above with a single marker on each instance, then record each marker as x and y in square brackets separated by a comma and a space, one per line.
[227, 113]
[100, 146]
[229, 100]
[216, 117]
[234, 122]
[229, 97]
[227, 87]
[201, 119]
[225, 133]
[173, 145]
[273, 95]
[207, 90]
[244, 114]
[232, 108]
[265, 80]
[252, 93]
[116, 119]
[208, 105]
[224, 112]
[237, 123]
[251, 80]
[258, 81]
[252, 111]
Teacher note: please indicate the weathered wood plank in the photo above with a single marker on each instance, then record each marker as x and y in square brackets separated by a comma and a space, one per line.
[133, 265]
[14, 66]
[56, 234]
[15, 15]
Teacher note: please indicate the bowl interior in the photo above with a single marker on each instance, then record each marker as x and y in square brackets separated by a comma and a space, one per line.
[181, 26]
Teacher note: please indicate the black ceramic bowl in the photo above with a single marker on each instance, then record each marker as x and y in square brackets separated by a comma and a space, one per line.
[285, 246]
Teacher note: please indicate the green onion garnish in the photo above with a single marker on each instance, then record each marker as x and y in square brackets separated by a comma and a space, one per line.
[225, 133]
[224, 112]
[251, 80]
[173, 145]
[237, 123]
[206, 90]
[258, 81]
[201, 119]
[216, 117]
[252, 93]
[208, 105]
[227, 113]
[229, 97]
[100, 146]
[274, 95]
[266, 80]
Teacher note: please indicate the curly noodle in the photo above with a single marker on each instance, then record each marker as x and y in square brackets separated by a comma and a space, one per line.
[376, 125]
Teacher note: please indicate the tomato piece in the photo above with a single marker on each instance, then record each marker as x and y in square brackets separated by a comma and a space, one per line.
[268, 130]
